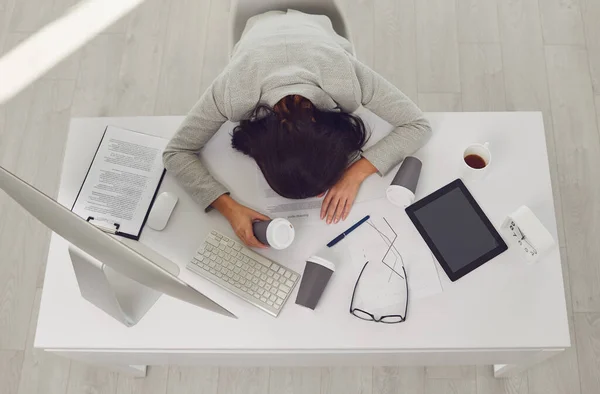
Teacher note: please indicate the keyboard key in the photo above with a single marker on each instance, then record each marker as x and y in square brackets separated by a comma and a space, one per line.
[244, 289]
[284, 288]
[289, 283]
[212, 241]
[261, 291]
[211, 264]
[263, 299]
[287, 274]
[261, 283]
[218, 236]
[255, 280]
[270, 273]
[212, 271]
[243, 281]
[220, 275]
[231, 281]
[238, 285]
[238, 263]
[263, 277]
[267, 287]
[276, 276]
[251, 270]
[236, 270]
[230, 244]
[236, 277]
[273, 298]
[213, 257]
[213, 232]
[237, 247]
[270, 280]
[248, 276]
[219, 260]
[263, 269]
[294, 277]
[227, 257]
[281, 271]
[270, 302]
[281, 294]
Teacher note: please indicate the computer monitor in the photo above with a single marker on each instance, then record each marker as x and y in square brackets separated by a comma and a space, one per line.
[107, 270]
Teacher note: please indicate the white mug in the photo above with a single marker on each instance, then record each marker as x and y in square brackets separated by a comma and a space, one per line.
[476, 170]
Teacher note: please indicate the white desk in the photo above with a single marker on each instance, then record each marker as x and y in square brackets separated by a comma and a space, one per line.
[506, 312]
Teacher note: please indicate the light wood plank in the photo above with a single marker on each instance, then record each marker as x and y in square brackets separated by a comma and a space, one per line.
[440, 102]
[488, 384]
[155, 382]
[217, 43]
[395, 37]
[477, 21]
[10, 370]
[437, 59]
[42, 372]
[482, 78]
[450, 386]
[181, 67]
[193, 380]
[68, 68]
[468, 372]
[590, 11]
[85, 378]
[587, 331]
[561, 22]
[98, 76]
[6, 11]
[142, 55]
[394, 380]
[243, 380]
[295, 380]
[347, 380]
[360, 15]
[597, 99]
[558, 375]
[578, 159]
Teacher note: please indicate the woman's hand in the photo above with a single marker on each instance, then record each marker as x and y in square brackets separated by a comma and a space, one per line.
[240, 218]
[340, 197]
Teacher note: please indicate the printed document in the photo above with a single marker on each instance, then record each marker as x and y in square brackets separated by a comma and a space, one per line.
[122, 181]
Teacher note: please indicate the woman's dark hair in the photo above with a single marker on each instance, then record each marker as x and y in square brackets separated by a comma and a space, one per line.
[301, 150]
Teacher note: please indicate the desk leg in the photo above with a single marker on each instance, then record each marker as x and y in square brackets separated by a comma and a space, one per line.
[508, 370]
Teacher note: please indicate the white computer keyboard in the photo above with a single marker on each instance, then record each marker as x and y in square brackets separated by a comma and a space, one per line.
[243, 272]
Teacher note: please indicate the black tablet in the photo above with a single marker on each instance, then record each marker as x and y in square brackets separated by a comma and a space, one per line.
[456, 230]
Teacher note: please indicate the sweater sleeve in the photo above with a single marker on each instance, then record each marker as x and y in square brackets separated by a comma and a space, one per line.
[411, 129]
[181, 154]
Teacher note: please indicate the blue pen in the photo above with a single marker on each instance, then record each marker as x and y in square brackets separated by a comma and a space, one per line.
[345, 233]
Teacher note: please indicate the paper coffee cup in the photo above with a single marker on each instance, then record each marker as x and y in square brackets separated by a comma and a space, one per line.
[317, 273]
[401, 191]
[277, 233]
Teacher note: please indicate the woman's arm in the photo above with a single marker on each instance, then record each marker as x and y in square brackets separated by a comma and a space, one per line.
[385, 100]
[181, 154]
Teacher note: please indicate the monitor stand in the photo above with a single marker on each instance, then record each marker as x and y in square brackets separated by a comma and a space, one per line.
[119, 296]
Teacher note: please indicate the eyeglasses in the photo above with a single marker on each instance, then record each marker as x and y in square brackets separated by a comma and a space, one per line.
[387, 319]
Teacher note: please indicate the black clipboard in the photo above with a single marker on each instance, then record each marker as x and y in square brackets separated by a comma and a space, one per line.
[113, 228]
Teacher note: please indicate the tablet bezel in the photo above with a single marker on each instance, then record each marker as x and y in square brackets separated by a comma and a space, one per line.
[455, 275]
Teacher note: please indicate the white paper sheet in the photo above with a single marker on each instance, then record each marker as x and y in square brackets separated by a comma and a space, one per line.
[381, 289]
[122, 180]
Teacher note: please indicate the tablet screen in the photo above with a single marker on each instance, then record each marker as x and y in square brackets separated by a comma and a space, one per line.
[456, 229]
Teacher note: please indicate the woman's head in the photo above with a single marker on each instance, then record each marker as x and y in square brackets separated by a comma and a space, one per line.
[301, 150]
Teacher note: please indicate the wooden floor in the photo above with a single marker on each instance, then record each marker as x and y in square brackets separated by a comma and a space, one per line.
[447, 55]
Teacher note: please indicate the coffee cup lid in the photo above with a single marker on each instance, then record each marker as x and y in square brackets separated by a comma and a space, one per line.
[280, 233]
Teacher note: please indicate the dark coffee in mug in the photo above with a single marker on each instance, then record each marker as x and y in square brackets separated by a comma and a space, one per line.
[475, 161]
